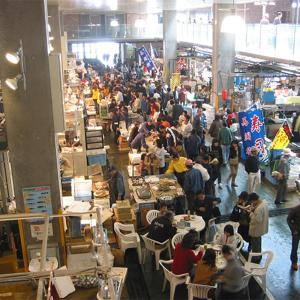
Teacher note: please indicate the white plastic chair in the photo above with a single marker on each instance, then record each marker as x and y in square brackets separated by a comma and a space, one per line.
[151, 215]
[155, 247]
[246, 278]
[128, 240]
[211, 230]
[177, 238]
[239, 241]
[198, 290]
[258, 270]
[173, 279]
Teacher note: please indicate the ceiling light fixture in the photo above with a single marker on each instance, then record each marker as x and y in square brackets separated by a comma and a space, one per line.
[15, 58]
[12, 83]
[232, 24]
[12, 58]
[114, 23]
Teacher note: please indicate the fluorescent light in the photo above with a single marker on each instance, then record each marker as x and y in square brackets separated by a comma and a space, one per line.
[13, 58]
[140, 23]
[12, 83]
[113, 4]
[114, 23]
[233, 24]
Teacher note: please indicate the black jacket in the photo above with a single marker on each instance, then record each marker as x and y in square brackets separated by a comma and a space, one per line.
[293, 219]
[252, 164]
[161, 229]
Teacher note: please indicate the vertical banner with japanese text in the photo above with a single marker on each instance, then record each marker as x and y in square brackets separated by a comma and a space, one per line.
[252, 129]
[147, 60]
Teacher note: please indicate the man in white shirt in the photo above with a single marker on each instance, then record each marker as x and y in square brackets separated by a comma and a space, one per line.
[203, 171]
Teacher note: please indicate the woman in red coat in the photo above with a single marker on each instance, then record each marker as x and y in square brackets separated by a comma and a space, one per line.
[184, 256]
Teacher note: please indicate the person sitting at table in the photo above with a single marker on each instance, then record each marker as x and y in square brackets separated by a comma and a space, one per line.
[206, 206]
[161, 228]
[163, 208]
[231, 279]
[206, 268]
[178, 167]
[184, 256]
[226, 238]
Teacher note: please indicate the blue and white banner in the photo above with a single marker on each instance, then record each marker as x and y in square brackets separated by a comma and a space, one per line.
[252, 129]
[148, 62]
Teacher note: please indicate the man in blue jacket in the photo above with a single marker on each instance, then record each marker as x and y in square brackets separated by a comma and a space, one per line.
[193, 183]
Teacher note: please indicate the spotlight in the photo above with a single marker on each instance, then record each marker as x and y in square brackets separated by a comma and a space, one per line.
[12, 83]
[13, 58]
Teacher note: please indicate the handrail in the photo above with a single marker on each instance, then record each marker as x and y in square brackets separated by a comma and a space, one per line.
[47, 217]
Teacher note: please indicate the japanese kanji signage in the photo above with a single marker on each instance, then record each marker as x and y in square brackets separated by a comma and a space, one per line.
[148, 62]
[282, 137]
[252, 130]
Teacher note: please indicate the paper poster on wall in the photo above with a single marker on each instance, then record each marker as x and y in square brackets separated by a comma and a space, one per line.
[37, 199]
[37, 231]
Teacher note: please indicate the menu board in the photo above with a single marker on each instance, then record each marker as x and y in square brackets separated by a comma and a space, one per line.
[37, 199]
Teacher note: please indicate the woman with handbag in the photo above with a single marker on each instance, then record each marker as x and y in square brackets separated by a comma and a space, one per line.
[233, 162]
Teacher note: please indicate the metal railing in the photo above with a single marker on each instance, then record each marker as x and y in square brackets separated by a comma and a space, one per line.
[42, 275]
[278, 41]
[125, 31]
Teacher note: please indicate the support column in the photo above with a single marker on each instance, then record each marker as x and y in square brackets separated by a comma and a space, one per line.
[29, 113]
[54, 22]
[223, 54]
[169, 43]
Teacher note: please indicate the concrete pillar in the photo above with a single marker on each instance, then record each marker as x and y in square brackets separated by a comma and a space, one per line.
[29, 113]
[54, 22]
[169, 43]
[223, 54]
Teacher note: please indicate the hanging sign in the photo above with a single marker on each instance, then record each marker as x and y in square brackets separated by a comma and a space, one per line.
[148, 62]
[37, 199]
[252, 129]
[282, 138]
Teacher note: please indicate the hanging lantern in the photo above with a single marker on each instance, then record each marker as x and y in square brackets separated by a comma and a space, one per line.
[224, 94]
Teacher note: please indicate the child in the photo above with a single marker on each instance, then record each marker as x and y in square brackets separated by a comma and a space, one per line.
[160, 153]
[227, 238]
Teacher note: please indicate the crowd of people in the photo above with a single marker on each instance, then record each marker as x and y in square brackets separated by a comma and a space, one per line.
[179, 145]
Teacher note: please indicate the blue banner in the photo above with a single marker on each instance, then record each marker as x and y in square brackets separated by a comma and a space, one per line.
[148, 62]
[252, 129]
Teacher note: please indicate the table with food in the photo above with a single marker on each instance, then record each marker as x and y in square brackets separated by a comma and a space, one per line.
[184, 223]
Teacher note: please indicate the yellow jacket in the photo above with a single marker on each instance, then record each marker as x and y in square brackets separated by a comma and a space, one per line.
[177, 165]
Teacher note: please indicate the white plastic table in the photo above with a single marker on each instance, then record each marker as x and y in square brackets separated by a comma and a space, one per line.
[196, 223]
[51, 264]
